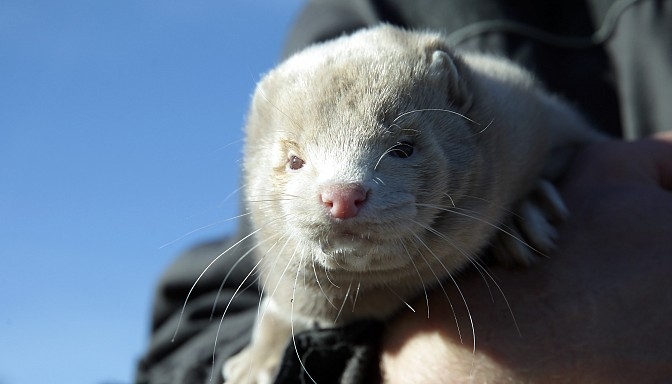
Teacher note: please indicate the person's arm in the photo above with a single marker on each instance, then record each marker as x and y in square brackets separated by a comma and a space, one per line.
[598, 310]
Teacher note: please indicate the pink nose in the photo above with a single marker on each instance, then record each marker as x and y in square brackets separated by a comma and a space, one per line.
[344, 200]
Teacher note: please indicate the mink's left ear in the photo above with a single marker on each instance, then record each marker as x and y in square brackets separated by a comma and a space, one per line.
[446, 66]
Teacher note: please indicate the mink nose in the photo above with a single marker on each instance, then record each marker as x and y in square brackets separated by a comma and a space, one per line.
[344, 200]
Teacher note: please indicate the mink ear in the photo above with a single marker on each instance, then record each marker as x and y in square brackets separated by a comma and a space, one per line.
[443, 66]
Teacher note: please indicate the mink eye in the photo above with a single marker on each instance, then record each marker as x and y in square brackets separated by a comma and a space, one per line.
[295, 163]
[402, 150]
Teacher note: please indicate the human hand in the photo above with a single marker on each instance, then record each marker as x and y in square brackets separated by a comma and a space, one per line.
[599, 310]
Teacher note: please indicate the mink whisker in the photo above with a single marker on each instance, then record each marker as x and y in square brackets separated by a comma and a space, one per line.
[450, 275]
[221, 320]
[184, 306]
[202, 228]
[422, 281]
[434, 110]
[500, 227]
[319, 284]
[291, 323]
[354, 301]
[345, 298]
[440, 283]
[228, 274]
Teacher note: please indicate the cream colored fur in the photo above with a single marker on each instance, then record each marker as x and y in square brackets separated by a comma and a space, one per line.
[482, 133]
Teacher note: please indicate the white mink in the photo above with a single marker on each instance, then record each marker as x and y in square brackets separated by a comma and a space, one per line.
[377, 164]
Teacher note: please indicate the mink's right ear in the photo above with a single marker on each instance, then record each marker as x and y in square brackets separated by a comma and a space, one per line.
[444, 65]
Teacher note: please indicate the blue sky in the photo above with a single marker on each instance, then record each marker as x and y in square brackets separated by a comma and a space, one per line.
[120, 128]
